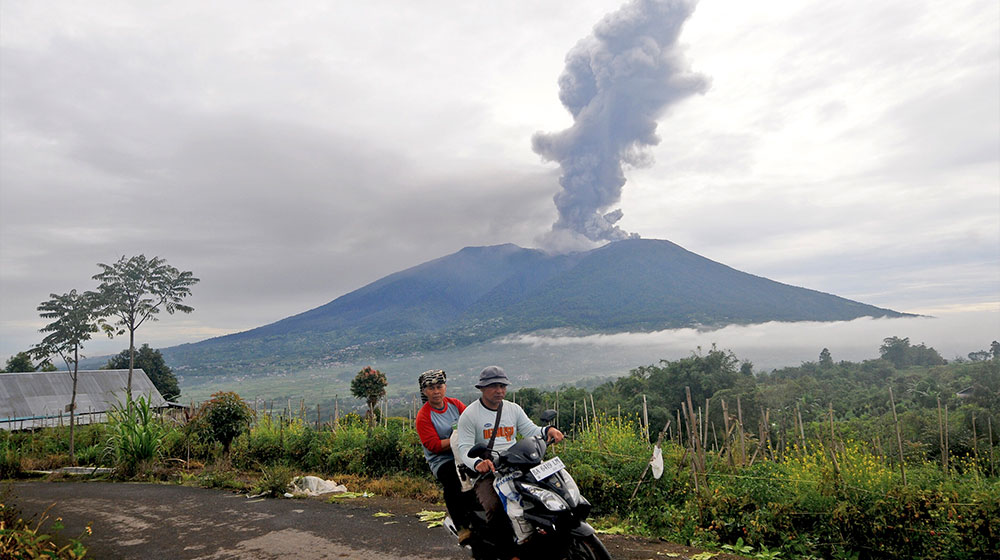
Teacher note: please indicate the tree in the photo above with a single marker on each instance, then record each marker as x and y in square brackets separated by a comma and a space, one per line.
[894, 350]
[901, 354]
[825, 359]
[150, 361]
[135, 289]
[76, 318]
[20, 363]
[225, 417]
[369, 384]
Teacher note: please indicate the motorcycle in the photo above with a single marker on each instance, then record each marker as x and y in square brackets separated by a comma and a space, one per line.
[552, 505]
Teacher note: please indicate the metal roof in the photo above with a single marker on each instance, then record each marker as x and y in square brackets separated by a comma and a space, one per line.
[36, 399]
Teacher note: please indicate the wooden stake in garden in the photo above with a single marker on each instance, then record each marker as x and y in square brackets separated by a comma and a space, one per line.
[975, 446]
[659, 440]
[993, 464]
[944, 462]
[802, 429]
[699, 450]
[726, 448]
[743, 440]
[947, 444]
[989, 428]
[899, 437]
[574, 418]
[645, 417]
[680, 428]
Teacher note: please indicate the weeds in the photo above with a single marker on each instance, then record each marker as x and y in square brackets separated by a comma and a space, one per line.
[274, 481]
[10, 460]
[134, 436]
[25, 539]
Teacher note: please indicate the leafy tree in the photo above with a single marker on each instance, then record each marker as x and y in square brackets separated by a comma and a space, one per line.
[980, 356]
[369, 384]
[150, 361]
[135, 289]
[225, 417]
[825, 359]
[76, 318]
[19, 363]
[901, 354]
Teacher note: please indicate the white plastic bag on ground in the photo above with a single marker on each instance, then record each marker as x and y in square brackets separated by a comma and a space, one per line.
[315, 486]
[656, 462]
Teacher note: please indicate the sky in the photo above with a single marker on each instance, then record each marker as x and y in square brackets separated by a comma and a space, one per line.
[288, 153]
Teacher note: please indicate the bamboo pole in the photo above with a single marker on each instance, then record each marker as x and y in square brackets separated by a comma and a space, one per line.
[659, 440]
[727, 449]
[743, 439]
[645, 417]
[802, 428]
[705, 423]
[899, 437]
[689, 420]
[975, 445]
[944, 462]
[697, 446]
[947, 444]
[993, 465]
[680, 427]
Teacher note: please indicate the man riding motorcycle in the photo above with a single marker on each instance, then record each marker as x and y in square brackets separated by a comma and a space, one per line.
[497, 423]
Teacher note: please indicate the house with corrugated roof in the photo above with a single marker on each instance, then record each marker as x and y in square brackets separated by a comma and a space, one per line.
[42, 399]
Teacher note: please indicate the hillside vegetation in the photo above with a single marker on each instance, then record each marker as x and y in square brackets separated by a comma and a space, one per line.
[893, 457]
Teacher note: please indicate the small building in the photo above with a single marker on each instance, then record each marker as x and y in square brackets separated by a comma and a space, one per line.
[41, 399]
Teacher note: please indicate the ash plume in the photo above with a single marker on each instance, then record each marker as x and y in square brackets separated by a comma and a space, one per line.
[616, 83]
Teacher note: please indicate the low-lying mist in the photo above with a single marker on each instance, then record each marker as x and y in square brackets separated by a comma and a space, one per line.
[775, 345]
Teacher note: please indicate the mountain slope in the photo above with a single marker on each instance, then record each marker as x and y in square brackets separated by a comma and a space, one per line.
[482, 292]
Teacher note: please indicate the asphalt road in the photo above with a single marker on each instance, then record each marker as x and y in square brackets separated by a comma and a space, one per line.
[143, 521]
[170, 522]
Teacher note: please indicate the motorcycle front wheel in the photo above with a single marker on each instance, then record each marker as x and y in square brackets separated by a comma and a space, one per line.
[587, 548]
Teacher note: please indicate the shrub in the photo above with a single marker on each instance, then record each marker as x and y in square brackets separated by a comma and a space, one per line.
[347, 450]
[224, 417]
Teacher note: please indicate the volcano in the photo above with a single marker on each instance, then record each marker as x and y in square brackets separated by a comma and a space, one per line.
[480, 293]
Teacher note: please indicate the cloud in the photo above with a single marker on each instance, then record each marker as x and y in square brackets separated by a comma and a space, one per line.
[773, 345]
[288, 155]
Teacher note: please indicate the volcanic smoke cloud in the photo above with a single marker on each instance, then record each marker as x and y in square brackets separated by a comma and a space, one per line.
[617, 82]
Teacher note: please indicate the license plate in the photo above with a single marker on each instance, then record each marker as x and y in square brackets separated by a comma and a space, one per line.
[548, 468]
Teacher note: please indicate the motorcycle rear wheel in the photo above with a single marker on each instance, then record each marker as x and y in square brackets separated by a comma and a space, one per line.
[587, 548]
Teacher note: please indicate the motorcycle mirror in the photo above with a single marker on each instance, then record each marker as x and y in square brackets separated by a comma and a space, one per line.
[477, 451]
[548, 416]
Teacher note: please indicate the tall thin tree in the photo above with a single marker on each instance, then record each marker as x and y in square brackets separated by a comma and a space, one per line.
[135, 289]
[76, 318]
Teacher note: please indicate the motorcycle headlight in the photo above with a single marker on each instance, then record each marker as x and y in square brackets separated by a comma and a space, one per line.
[572, 490]
[548, 498]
